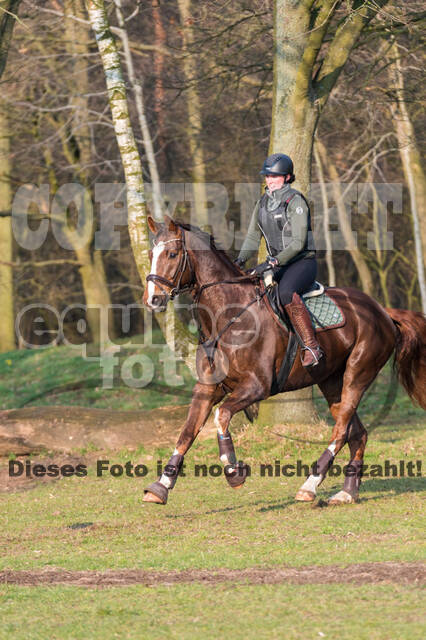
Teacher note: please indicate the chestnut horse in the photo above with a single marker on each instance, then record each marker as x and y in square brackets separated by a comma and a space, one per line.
[248, 345]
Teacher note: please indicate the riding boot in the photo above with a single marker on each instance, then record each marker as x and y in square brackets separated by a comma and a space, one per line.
[302, 324]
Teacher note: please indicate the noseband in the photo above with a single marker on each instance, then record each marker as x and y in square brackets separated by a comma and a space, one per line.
[174, 284]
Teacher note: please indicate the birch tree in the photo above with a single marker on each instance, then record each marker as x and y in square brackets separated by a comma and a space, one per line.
[178, 337]
[98, 300]
[344, 223]
[140, 109]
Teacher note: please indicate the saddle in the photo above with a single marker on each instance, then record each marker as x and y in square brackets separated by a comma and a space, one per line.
[323, 310]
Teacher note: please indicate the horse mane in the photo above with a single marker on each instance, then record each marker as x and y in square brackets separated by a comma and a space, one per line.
[207, 239]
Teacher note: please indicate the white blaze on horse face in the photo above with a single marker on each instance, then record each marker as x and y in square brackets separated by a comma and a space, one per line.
[151, 285]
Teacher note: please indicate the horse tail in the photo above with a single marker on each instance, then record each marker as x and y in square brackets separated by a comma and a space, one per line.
[410, 352]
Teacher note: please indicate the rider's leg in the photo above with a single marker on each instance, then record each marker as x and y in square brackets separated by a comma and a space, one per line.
[297, 278]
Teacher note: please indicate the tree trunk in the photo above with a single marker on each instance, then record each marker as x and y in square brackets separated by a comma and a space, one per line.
[325, 220]
[177, 335]
[140, 109]
[300, 93]
[345, 226]
[98, 312]
[8, 15]
[95, 286]
[7, 324]
[412, 166]
[195, 123]
[294, 120]
[159, 92]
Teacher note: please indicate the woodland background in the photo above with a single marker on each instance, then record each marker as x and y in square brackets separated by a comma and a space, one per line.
[206, 73]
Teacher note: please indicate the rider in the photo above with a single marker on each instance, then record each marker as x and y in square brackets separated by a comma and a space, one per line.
[282, 216]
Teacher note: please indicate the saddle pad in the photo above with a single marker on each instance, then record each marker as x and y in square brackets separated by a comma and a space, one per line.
[324, 311]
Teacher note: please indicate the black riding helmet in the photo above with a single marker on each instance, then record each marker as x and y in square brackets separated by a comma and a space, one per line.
[278, 164]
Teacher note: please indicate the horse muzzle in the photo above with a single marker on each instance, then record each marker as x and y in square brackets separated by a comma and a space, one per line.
[157, 303]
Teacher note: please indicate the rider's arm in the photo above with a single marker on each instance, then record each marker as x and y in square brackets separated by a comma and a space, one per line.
[252, 240]
[297, 212]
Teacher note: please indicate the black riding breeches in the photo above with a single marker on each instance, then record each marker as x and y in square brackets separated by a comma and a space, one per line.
[296, 277]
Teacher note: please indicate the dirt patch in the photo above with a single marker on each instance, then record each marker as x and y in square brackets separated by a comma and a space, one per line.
[65, 429]
[357, 574]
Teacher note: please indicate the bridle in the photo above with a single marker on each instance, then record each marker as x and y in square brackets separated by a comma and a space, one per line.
[174, 285]
[175, 288]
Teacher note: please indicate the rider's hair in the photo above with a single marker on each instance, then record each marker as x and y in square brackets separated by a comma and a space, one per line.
[291, 179]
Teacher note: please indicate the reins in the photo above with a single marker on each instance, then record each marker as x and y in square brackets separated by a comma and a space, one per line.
[175, 289]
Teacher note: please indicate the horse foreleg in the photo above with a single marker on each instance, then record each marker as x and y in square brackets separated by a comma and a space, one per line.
[357, 441]
[204, 397]
[243, 396]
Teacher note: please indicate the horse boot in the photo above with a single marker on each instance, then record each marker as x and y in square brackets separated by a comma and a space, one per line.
[301, 321]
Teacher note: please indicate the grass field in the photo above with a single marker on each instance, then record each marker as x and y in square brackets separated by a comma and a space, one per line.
[100, 523]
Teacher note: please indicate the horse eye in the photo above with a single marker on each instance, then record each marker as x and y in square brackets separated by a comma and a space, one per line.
[172, 255]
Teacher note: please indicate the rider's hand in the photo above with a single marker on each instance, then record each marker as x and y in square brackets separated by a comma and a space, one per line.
[261, 268]
[240, 262]
[273, 262]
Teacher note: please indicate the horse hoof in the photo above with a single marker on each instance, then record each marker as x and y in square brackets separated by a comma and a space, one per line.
[342, 497]
[237, 478]
[151, 497]
[305, 496]
[156, 493]
[238, 486]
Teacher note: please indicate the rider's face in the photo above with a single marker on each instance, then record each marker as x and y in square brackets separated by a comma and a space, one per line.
[274, 182]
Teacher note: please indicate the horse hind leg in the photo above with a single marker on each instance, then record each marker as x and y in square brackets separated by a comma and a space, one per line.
[343, 395]
[332, 391]
[357, 441]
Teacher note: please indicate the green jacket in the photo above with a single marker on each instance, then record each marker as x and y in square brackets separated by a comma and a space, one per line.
[288, 230]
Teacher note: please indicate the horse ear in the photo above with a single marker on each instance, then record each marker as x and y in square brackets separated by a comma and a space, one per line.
[170, 224]
[152, 224]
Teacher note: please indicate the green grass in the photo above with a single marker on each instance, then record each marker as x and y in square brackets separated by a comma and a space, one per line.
[194, 611]
[208, 525]
[67, 375]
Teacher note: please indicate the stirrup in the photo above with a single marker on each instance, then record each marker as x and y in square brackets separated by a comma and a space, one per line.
[317, 354]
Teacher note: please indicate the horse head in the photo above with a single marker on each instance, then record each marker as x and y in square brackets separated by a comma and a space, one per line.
[171, 270]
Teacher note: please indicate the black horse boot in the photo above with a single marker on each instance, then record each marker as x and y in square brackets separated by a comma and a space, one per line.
[302, 324]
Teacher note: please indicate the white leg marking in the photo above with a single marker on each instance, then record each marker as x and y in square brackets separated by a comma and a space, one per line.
[311, 484]
[151, 285]
[216, 421]
[165, 481]
[332, 447]
[342, 497]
